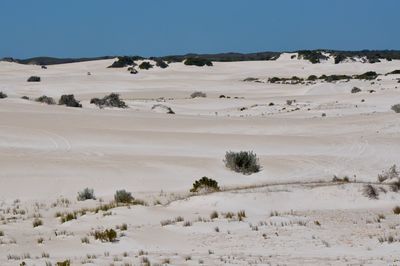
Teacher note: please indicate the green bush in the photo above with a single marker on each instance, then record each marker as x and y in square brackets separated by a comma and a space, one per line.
[245, 162]
[111, 100]
[108, 235]
[122, 196]
[396, 108]
[205, 184]
[86, 194]
[34, 79]
[45, 99]
[25, 98]
[3, 95]
[145, 65]
[69, 100]
[370, 75]
[312, 78]
[197, 61]
[355, 90]
[161, 64]
[198, 94]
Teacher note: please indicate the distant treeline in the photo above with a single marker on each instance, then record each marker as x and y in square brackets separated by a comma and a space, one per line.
[42, 61]
[314, 56]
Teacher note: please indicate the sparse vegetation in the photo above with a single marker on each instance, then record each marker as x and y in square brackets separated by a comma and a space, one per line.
[111, 100]
[161, 63]
[145, 65]
[214, 215]
[37, 222]
[86, 194]
[396, 108]
[245, 162]
[198, 94]
[123, 196]
[389, 174]
[34, 79]
[345, 179]
[205, 184]
[370, 75]
[69, 100]
[3, 95]
[108, 235]
[355, 90]
[396, 210]
[370, 192]
[45, 99]
[197, 61]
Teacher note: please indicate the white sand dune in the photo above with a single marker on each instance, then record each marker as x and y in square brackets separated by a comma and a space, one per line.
[49, 152]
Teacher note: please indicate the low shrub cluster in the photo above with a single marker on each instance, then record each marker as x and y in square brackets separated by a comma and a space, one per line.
[123, 196]
[245, 162]
[390, 174]
[124, 61]
[108, 235]
[396, 108]
[370, 75]
[145, 65]
[111, 100]
[198, 94]
[45, 99]
[370, 192]
[161, 64]
[69, 100]
[3, 95]
[205, 184]
[313, 56]
[355, 90]
[86, 194]
[34, 79]
[197, 61]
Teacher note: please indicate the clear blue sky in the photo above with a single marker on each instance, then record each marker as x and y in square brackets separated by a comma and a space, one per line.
[77, 28]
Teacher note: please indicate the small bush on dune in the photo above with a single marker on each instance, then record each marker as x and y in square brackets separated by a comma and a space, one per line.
[108, 235]
[34, 79]
[86, 194]
[197, 61]
[355, 90]
[25, 98]
[69, 100]
[245, 162]
[63, 263]
[312, 78]
[205, 184]
[45, 99]
[198, 94]
[145, 65]
[111, 100]
[161, 64]
[37, 222]
[370, 75]
[396, 108]
[389, 174]
[3, 95]
[370, 192]
[396, 210]
[123, 196]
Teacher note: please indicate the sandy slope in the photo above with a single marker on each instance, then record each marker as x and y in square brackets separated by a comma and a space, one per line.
[51, 152]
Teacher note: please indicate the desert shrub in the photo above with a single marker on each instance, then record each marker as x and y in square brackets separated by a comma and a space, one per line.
[394, 72]
[3, 95]
[355, 90]
[34, 79]
[145, 65]
[25, 98]
[111, 100]
[250, 79]
[345, 179]
[63, 263]
[245, 162]
[167, 109]
[396, 108]
[313, 56]
[332, 78]
[69, 100]
[161, 64]
[124, 61]
[241, 214]
[197, 61]
[312, 78]
[389, 174]
[214, 215]
[108, 235]
[37, 222]
[198, 94]
[370, 75]
[45, 99]
[274, 79]
[69, 216]
[205, 184]
[370, 192]
[396, 210]
[86, 194]
[123, 196]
